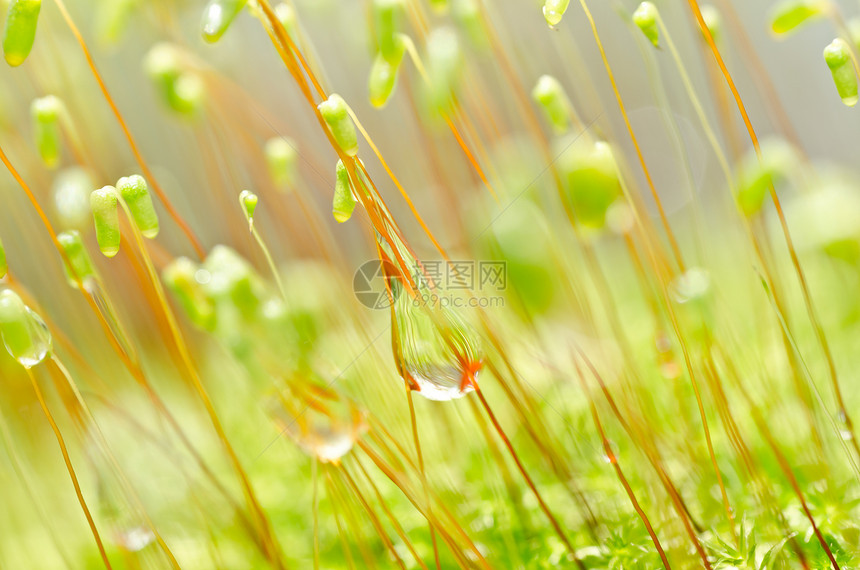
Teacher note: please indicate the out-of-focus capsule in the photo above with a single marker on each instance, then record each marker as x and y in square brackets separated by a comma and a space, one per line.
[553, 11]
[281, 159]
[645, 17]
[183, 278]
[592, 182]
[71, 192]
[385, 17]
[383, 76]
[217, 17]
[444, 66]
[789, 15]
[47, 112]
[756, 176]
[78, 264]
[550, 95]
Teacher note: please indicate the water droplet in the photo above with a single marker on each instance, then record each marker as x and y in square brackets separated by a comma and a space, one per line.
[691, 285]
[135, 538]
[438, 351]
[846, 434]
[440, 384]
[38, 344]
[322, 423]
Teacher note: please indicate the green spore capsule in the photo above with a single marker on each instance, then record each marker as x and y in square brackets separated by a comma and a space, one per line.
[185, 279]
[383, 76]
[181, 89]
[21, 20]
[232, 283]
[713, 21]
[756, 175]
[77, 263]
[344, 202]
[468, 16]
[645, 18]
[112, 20]
[287, 17]
[281, 158]
[4, 268]
[248, 200]
[217, 17]
[837, 55]
[103, 203]
[553, 11]
[444, 64]
[592, 182]
[24, 332]
[47, 112]
[550, 95]
[790, 15]
[335, 113]
[386, 14]
[439, 6]
[135, 194]
[71, 192]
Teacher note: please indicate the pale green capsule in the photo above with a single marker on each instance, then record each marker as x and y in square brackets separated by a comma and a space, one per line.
[112, 19]
[46, 113]
[344, 202]
[789, 15]
[184, 279]
[71, 192]
[553, 11]
[756, 175]
[468, 16]
[21, 20]
[837, 55]
[334, 112]
[386, 14]
[135, 194]
[713, 21]
[182, 90]
[24, 332]
[232, 283]
[103, 203]
[287, 17]
[439, 6]
[217, 17]
[248, 200]
[592, 182]
[550, 95]
[4, 268]
[444, 66]
[78, 264]
[281, 158]
[645, 18]
[383, 76]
